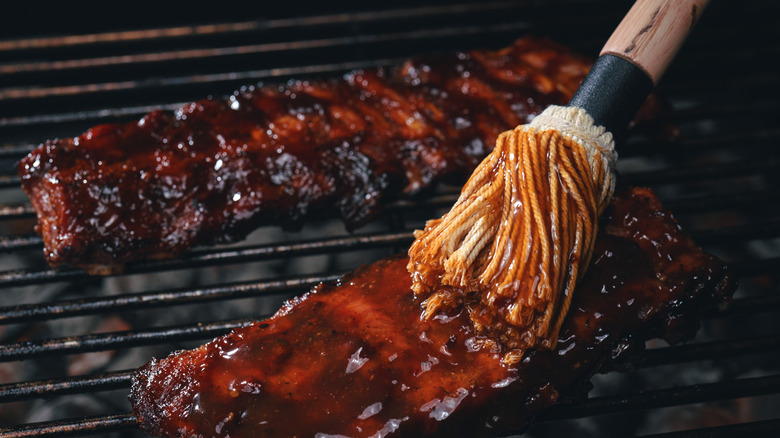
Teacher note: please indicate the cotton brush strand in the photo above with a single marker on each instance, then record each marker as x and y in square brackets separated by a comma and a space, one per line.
[521, 233]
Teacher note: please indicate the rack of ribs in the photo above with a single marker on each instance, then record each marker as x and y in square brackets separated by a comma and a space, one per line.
[216, 169]
[354, 358]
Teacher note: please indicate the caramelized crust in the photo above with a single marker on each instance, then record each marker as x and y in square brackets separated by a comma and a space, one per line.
[214, 170]
[355, 359]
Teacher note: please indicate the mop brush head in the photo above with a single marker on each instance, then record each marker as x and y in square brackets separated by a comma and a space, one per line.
[521, 233]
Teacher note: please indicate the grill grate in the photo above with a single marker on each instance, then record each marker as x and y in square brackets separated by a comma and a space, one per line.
[719, 176]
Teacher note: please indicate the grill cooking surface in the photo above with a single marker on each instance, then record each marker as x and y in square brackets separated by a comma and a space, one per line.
[68, 342]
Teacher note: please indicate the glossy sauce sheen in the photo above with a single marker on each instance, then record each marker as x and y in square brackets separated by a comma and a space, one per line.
[354, 359]
[215, 169]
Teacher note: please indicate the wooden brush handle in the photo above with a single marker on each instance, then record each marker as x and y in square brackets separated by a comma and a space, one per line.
[652, 32]
[634, 58]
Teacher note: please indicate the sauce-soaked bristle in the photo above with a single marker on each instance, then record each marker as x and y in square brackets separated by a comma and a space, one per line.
[523, 224]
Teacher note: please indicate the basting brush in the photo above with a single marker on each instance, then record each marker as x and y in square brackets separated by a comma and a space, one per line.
[522, 231]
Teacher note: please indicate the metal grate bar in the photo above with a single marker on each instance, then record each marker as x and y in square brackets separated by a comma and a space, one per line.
[93, 116]
[752, 139]
[93, 305]
[214, 78]
[16, 211]
[756, 105]
[257, 49]
[65, 386]
[682, 395]
[765, 137]
[250, 49]
[767, 228]
[755, 230]
[124, 339]
[747, 268]
[744, 139]
[721, 108]
[752, 305]
[222, 257]
[726, 201]
[114, 423]
[86, 306]
[708, 350]
[211, 30]
[18, 243]
[9, 181]
[679, 87]
[69, 41]
[448, 197]
[649, 358]
[687, 204]
[590, 407]
[697, 204]
[12, 150]
[102, 424]
[701, 172]
[752, 429]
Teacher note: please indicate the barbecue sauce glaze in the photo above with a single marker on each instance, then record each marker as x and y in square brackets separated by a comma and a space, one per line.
[355, 359]
[215, 169]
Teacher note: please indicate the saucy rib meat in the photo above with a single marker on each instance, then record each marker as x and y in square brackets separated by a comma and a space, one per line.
[214, 170]
[355, 359]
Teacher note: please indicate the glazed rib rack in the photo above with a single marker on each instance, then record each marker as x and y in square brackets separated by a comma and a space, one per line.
[68, 342]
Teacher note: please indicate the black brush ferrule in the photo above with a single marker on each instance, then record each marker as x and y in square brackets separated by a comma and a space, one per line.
[612, 92]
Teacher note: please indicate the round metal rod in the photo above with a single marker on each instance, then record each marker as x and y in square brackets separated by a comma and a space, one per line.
[83, 426]
[153, 299]
[222, 257]
[666, 397]
[753, 429]
[68, 385]
[114, 340]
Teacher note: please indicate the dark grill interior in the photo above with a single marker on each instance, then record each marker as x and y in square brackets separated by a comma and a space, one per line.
[68, 342]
